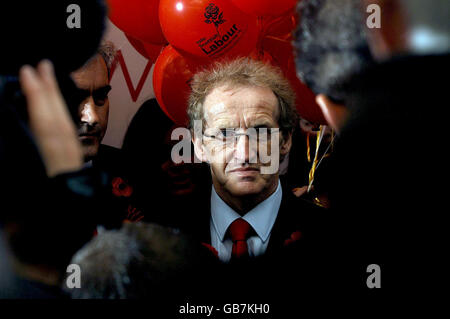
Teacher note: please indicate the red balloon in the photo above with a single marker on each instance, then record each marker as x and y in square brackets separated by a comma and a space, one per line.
[306, 104]
[147, 50]
[138, 18]
[280, 50]
[282, 27]
[199, 28]
[265, 7]
[153, 50]
[261, 55]
[171, 77]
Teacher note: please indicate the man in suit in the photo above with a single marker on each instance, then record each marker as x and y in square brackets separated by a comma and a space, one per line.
[242, 117]
[93, 79]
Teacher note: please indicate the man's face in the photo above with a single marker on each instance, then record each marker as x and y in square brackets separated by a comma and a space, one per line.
[236, 168]
[93, 111]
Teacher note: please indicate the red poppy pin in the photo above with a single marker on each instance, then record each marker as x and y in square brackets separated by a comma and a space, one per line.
[294, 237]
[120, 188]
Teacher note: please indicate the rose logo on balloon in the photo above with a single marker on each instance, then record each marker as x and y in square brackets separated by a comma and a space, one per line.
[211, 13]
[218, 42]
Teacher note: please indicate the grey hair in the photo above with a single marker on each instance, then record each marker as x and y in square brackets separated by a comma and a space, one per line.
[331, 44]
[243, 72]
[108, 52]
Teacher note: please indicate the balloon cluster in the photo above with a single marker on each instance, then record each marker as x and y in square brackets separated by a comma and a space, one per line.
[186, 35]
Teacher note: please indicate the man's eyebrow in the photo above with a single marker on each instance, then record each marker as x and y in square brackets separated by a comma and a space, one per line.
[101, 89]
[264, 124]
[104, 89]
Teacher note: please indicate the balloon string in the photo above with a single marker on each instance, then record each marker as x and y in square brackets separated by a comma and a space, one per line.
[268, 23]
[264, 25]
[325, 155]
[287, 40]
[259, 44]
[316, 199]
[316, 160]
[308, 148]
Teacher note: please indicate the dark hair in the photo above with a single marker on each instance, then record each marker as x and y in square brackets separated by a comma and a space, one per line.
[330, 44]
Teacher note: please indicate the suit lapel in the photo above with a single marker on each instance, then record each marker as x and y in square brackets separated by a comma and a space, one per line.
[293, 222]
[280, 228]
[200, 221]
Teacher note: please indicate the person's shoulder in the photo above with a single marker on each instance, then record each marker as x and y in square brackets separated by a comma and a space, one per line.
[299, 205]
[303, 214]
[108, 151]
[109, 158]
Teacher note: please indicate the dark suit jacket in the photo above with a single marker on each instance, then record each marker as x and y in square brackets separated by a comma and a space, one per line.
[118, 197]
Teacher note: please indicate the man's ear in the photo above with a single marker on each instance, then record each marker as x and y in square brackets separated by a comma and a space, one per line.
[286, 144]
[199, 148]
[335, 114]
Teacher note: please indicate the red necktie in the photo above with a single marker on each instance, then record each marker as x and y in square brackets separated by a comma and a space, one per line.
[239, 231]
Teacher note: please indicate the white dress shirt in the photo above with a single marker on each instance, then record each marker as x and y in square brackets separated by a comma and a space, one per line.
[261, 218]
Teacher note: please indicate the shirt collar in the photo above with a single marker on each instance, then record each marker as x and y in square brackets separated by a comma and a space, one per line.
[261, 218]
[88, 164]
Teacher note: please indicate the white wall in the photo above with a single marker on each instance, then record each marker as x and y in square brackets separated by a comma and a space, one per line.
[122, 108]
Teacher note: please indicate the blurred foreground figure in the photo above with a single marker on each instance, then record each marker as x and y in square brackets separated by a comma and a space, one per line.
[385, 191]
[48, 201]
[140, 261]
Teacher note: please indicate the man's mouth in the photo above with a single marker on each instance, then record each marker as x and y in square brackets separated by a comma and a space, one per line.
[245, 171]
[88, 138]
[89, 135]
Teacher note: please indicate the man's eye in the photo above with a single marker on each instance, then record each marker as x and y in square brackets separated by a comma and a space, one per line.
[100, 95]
[264, 130]
[100, 99]
[227, 132]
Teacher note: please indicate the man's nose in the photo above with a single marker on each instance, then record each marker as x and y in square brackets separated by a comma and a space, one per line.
[88, 114]
[245, 152]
